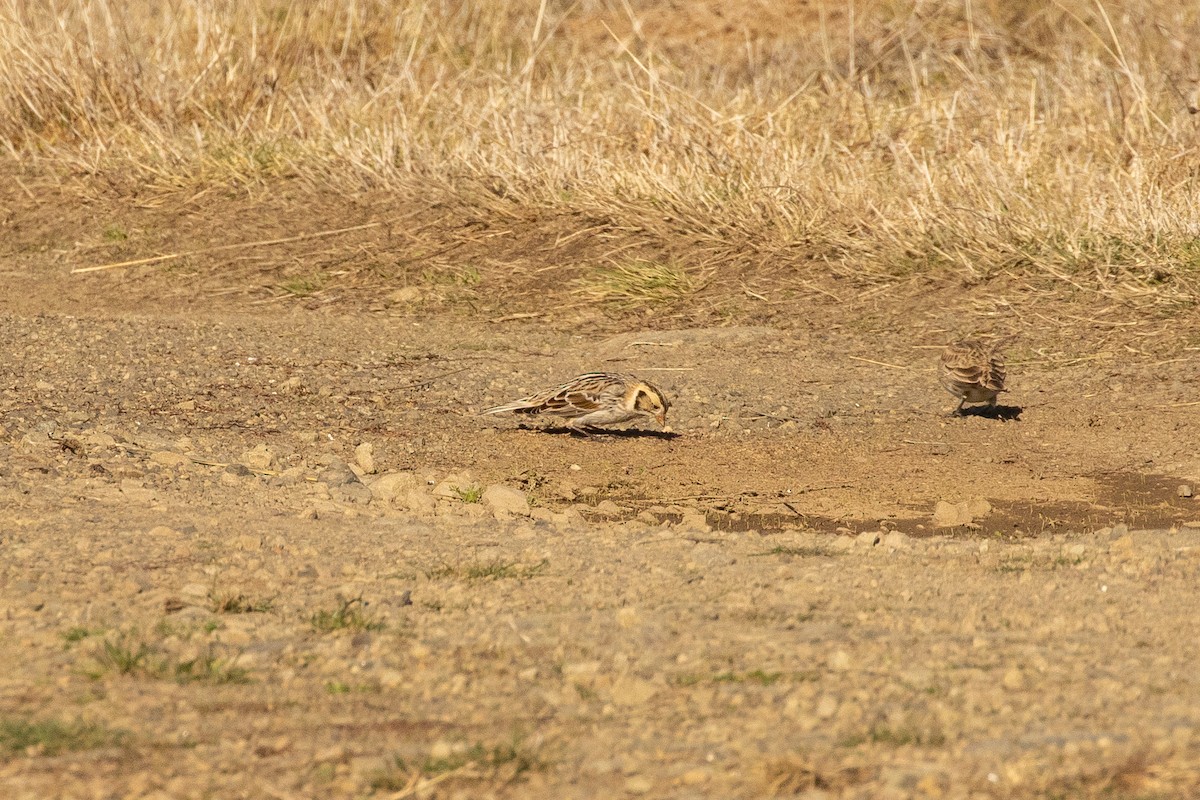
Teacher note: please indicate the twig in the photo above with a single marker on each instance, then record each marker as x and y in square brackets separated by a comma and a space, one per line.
[419, 786]
[523, 315]
[262, 243]
[880, 363]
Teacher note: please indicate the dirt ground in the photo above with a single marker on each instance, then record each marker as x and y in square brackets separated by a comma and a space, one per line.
[261, 545]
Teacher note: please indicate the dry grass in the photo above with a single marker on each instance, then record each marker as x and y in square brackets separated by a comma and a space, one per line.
[874, 141]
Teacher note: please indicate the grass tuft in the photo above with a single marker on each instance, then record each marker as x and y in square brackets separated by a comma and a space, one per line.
[239, 604]
[469, 494]
[638, 283]
[488, 571]
[803, 551]
[349, 615]
[51, 737]
[505, 762]
[139, 659]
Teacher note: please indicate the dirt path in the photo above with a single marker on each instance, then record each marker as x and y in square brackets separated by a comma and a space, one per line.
[202, 598]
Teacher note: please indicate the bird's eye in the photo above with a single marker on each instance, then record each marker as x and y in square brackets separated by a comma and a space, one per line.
[648, 402]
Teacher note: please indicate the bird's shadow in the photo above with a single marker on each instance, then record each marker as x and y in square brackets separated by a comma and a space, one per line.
[598, 433]
[1003, 413]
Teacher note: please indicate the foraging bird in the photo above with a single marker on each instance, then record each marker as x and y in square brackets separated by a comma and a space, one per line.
[973, 372]
[595, 398]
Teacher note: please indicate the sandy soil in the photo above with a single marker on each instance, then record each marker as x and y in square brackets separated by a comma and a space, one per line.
[258, 543]
[275, 553]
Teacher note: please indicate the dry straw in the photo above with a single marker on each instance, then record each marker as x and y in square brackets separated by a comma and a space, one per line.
[875, 141]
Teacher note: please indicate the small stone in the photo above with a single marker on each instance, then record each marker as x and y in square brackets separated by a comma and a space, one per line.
[946, 515]
[638, 784]
[337, 473]
[418, 502]
[259, 457]
[952, 515]
[629, 691]
[896, 540]
[827, 706]
[406, 295]
[1013, 679]
[868, 538]
[163, 531]
[169, 459]
[390, 678]
[248, 542]
[354, 492]
[839, 661]
[364, 454]
[453, 486]
[1122, 547]
[607, 508]
[1184, 490]
[504, 500]
[389, 486]
[978, 508]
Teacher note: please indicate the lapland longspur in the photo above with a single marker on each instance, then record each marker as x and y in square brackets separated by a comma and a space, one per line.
[595, 398]
[973, 372]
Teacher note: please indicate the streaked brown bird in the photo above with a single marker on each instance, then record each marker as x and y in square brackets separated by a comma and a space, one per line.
[595, 398]
[972, 371]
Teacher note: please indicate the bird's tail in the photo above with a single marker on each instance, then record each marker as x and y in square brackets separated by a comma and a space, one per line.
[516, 405]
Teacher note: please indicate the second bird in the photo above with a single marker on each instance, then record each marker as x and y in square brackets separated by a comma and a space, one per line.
[593, 399]
[973, 372]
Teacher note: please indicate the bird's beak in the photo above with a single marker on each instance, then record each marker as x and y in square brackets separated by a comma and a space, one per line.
[662, 418]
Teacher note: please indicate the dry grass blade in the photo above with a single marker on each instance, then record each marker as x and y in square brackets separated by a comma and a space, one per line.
[639, 283]
[869, 143]
[222, 247]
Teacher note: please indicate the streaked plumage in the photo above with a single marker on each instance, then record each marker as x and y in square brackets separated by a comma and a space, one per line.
[973, 372]
[593, 399]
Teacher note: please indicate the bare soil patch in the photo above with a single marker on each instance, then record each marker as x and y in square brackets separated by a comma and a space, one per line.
[202, 596]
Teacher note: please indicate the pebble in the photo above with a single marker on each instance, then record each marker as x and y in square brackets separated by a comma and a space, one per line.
[169, 458]
[505, 501]
[405, 295]
[260, 457]
[839, 661]
[389, 486]
[638, 784]
[364, 454]
[630, 691]
[951, 515]
[337, 473]
[606, 508]
[868, 538]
